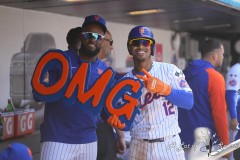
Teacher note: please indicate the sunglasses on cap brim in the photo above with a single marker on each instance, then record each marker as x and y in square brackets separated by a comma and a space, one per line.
[92, 35]
[145, 42]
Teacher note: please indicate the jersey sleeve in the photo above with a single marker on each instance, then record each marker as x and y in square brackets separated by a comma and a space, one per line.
[216, 89]
[177, 79]
[231, 98]
[181, 94]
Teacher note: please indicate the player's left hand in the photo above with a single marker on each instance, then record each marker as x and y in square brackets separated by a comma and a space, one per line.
[115, 122]
[154, 84]
[121, 145]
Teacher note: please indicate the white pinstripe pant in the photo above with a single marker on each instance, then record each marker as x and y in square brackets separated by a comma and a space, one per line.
[170, 149]
[63, 151]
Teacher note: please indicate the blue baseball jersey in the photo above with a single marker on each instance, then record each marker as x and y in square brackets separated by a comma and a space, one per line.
[209, 108]
[70, 124]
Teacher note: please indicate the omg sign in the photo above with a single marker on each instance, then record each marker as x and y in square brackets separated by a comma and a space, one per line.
[72, 88]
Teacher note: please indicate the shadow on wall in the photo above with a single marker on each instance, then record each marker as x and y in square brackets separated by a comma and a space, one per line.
[23, 65]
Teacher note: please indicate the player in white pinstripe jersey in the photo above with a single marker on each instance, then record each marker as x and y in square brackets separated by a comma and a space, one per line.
[155, 130]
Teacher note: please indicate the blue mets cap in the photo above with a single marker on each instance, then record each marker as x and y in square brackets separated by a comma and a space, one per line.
[141, 32]
[16, 151]
[95, 19]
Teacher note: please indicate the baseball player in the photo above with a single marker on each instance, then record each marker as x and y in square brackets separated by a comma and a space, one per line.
[67, 131]
[155, 130]
[232, 97]
[208, 88]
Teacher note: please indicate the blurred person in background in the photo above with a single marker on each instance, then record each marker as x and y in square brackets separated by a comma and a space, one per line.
[109, 142]
[233, 103]
[106, 52]
[74, 39]
[208, 88]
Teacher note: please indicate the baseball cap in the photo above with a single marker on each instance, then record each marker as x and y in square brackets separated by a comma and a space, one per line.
[16, 151]
[95, 19]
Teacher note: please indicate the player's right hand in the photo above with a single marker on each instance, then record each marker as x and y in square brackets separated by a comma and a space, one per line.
[115, 122]
[154, 84]
[46, 78]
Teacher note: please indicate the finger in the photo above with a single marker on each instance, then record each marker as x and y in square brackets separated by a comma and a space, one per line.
[109, 119]
[152, 83]
[113, 119]
[145, 83]
[116, 121]
[146, 73]
[142, 77]
[120, 125]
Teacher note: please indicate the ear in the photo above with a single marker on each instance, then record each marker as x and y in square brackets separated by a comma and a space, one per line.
[129, 50]
[215, 56]
[152, 50]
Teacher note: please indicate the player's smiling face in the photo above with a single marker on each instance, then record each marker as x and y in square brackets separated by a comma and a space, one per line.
[92, 39]
[140, 51]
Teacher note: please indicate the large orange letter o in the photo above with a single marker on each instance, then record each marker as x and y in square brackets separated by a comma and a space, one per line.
[40, 88]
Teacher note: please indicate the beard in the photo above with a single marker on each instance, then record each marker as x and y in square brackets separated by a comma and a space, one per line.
[89, 53]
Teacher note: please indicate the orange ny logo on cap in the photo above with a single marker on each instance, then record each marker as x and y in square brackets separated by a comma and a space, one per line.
[141, 30]
[96, 18]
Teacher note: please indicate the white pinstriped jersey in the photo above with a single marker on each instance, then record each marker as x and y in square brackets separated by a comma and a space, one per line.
[233, 78]
[158, 117]
[64, 151]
